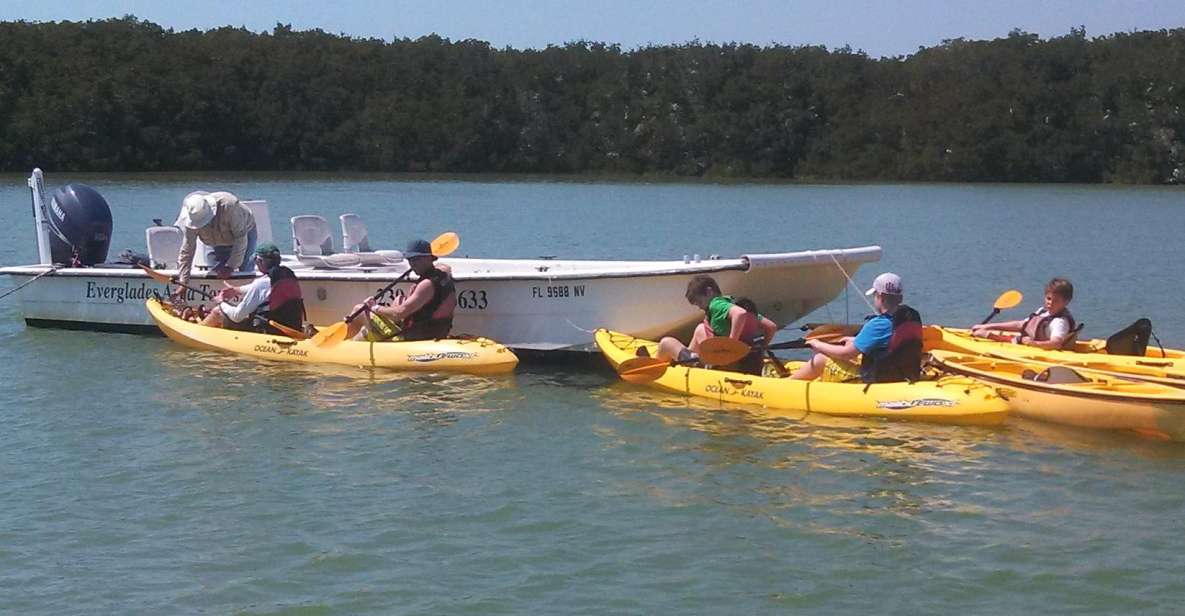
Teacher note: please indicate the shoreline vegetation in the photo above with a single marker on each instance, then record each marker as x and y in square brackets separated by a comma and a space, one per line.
[127, 95]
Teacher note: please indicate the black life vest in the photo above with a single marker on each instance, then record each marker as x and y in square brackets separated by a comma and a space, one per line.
[284, 303]
[902, 359]
[421, 325]
[1040, 331]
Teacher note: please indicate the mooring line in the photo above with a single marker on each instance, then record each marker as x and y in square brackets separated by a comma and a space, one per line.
[52, 269]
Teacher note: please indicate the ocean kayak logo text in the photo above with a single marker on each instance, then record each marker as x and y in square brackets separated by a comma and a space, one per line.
[897, 405]
[423, 358]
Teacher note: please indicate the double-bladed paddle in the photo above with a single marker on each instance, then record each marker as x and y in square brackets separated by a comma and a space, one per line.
[716, 351]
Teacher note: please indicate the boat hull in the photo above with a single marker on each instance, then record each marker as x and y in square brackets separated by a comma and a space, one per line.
[952, 400]
[538, 305]
[478, 356]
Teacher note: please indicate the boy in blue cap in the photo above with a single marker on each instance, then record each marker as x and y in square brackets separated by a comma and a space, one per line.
[425, 313]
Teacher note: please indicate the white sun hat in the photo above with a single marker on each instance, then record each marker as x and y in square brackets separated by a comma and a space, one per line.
[197, 210]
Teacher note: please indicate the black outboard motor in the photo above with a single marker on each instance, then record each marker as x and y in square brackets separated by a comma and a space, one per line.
[80, 222]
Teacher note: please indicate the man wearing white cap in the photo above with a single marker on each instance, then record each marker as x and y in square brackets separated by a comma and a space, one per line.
[837, 362]
[224, 224]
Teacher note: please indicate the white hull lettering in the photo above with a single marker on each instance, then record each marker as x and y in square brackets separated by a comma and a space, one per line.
[897, 405]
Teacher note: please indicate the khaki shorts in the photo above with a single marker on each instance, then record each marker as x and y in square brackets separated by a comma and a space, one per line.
[840, 371]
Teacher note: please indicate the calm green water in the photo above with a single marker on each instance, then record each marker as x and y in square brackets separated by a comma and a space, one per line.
[140, 477]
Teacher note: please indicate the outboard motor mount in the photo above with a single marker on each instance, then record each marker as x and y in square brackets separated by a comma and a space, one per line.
[80, 225]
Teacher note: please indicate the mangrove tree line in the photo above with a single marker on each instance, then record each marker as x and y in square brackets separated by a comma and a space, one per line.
[125, 94]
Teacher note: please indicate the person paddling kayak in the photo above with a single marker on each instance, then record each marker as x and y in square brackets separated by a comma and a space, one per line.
[426, 313]
[888, 344]
[1050, 327]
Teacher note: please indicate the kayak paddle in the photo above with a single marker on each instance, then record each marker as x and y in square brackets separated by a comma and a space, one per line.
[716, 351]
[164, 278]
[1007, 299]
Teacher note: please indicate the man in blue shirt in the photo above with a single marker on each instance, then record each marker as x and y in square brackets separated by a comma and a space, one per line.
[836, 363]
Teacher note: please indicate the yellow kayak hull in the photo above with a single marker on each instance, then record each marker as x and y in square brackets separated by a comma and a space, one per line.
[949, 400]
[476, 356]
[1154, 365]
[1103, 401]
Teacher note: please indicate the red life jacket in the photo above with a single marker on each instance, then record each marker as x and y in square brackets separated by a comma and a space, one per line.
[284, 303]
[1036, 326]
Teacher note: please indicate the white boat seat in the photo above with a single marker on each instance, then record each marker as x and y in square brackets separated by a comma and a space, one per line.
[355, 240]
[263, 221]
[311, 236]
[164, 244]
[354, 236]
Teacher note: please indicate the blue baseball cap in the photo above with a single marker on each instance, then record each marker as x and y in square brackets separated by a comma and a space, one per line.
[418, 248]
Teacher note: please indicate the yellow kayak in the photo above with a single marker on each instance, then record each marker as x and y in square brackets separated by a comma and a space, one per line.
[1166, 367]
[473, 356]
[1077, 396]
[949, 400]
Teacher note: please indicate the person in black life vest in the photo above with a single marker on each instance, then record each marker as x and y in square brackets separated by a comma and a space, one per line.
[425, 313]
[1050, 327]
[836, 363]
[275, 295]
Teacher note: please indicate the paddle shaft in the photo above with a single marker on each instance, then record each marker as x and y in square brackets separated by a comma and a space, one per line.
[383, 291]
[166, 279]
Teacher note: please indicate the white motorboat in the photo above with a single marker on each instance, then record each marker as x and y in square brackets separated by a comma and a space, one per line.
[536, 304]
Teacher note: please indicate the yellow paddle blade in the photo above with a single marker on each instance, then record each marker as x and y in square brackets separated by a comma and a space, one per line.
[445, 244]
[1008, 299]
[721, 351]
[642, 369]
[331, 335]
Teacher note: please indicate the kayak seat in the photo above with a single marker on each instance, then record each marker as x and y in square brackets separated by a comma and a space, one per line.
[1131, 340]
[1058, 375]
[354, 235]
[311, 236]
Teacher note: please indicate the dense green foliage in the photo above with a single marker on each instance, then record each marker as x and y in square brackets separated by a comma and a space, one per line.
[128, 95]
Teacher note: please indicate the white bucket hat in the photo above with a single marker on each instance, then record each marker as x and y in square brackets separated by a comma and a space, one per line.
[197, 210]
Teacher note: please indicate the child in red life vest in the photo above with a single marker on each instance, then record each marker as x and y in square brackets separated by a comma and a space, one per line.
[1050, 327]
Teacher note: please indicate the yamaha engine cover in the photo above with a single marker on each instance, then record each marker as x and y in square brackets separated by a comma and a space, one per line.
[80, 221]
